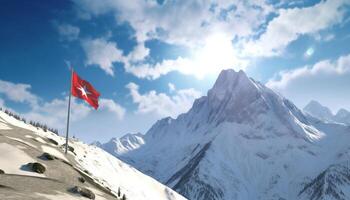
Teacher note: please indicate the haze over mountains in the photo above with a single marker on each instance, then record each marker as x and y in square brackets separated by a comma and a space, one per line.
[244, 141]
[321, 112]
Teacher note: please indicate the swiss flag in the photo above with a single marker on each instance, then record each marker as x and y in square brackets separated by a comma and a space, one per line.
[84, 90]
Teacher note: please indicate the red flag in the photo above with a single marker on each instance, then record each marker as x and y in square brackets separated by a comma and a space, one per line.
[84, 90]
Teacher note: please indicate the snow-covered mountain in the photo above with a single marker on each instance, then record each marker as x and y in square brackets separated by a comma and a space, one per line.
[84, 168]
[315, 109]
[342, 116]
[243, 141]
[118, 146]
[321, 112]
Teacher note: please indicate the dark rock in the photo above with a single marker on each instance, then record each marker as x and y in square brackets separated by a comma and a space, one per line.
[2, 171]
[87, 172]
[83, 192]
[70, 148]
[52, 141]
[48, 156]
[81, 179]
[37, 167]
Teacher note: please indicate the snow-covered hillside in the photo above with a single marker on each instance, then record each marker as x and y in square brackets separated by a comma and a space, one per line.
[243, 141]
[104, 174]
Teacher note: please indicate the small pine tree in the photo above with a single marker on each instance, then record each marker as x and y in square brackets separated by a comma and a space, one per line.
[119, 192]
[44, 128]
[124, 197]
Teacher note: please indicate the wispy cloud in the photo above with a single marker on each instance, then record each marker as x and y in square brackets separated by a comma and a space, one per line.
[325, 81]
[54, 112]
[68, 32]
[291, 23]
[102, 53]
[18, 92]
[160, 103]
[113, 107]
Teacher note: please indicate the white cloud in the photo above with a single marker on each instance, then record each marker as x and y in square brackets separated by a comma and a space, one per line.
[18, 92]
[327, 81]
[292, 23]
[68, 32]
[188, 23]
[242, 26]
[54, 113]
[112, 106]
[181, 22]
[160, 103]
[172, 87]
[209, 59]
[196, 67]
[102, 53]
[140, 52]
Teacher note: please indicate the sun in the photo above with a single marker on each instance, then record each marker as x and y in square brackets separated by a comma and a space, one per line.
[216, 54]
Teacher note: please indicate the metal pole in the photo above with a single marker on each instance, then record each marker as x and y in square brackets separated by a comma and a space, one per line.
[70, 96]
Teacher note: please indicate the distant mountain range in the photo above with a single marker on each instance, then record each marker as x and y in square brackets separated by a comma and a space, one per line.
[119, 146]
[321, 112]
[243, 141]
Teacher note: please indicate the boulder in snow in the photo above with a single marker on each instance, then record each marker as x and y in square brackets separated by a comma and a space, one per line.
[83, 192]
[37, 167]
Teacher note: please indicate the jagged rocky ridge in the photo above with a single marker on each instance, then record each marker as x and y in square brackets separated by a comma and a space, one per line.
[243, 141]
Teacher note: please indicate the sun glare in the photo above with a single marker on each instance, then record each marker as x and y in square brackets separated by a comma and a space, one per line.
[216, 54]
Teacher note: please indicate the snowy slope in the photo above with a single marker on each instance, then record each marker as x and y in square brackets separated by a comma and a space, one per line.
[241, 141]
[20, 143]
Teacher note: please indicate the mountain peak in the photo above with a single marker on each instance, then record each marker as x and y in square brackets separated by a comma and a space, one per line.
[228, 81]
[229, 76]
[343, 112]
[316, 109]
[343, 116]
[314, 103]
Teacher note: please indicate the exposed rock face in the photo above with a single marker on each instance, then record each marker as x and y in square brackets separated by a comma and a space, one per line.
[332, 184]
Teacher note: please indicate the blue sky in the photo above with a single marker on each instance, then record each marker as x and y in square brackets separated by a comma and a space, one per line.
[151, 59]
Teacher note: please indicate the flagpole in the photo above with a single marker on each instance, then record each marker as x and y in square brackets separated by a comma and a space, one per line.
[70, 96]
